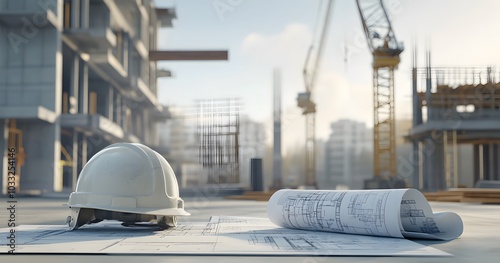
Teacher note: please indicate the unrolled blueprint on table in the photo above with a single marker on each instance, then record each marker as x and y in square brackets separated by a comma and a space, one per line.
[220, 236]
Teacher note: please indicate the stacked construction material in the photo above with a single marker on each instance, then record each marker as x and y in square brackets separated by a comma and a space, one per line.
[469, 195]
[253, 195]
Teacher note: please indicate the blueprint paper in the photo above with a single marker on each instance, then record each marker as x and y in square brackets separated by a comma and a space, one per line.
[220, 236]
[392, 213]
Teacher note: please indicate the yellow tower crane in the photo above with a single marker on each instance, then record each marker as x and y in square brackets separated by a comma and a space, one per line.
[385, 50]
[306, 103]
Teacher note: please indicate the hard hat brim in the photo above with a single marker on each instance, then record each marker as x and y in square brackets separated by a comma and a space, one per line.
[139, 210]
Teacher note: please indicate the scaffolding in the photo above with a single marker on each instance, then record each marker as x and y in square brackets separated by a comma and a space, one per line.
[453, 106]
[218, 124]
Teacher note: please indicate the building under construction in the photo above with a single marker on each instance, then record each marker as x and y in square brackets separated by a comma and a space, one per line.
[218, 128]
[75, 76]
[453, 106]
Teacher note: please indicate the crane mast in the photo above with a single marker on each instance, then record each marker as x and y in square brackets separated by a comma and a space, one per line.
[385, 50]
[306, 103]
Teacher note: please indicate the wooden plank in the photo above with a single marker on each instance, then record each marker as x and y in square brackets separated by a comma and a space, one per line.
[474, 190]
[448, 199]
[258, 193]
[481, 200]
[443, 193]
[248, 198]
[479, 195]
[253, 195]
[183, 55]
[443, 196]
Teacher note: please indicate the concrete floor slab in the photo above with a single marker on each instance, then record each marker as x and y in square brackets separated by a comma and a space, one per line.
[479, 242]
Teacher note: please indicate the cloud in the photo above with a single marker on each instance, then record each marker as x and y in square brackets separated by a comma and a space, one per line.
[287, 47]
[336, 97]
[286, 51]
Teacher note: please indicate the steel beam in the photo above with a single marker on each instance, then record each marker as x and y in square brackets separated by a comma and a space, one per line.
[158, 55]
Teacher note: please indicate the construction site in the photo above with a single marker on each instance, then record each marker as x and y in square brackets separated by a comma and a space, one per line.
[454, 106]
[97, 84]
[330, 95]
[86, 79]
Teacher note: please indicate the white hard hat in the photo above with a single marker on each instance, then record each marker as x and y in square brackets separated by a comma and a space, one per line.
[128, 182]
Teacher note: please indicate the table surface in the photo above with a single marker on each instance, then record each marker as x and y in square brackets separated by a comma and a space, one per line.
[480, 241]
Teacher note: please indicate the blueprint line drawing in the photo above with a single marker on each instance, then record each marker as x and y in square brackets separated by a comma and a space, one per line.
[222, 235]
[392, 212]
[300, 222]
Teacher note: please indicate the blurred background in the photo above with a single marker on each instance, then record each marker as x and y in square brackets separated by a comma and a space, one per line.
[254, 95]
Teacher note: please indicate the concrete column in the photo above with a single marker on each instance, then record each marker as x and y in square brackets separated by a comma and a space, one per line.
[415, 161]
[496, 161]
[4, 134]
[84, 14]
[140, 125]
[433, 154]
[66, 143]
[75, 13]
[417, 110]
[74, 154]
[493, 161]
[489, 162]
[73, 90]
[440, 166]
[133, 121]
[117, 105]
[58, 78]
[110, 103]
[148, 131]
[144, 121]
[477, 166]
[126, 52]
[57, 171]
[82, 150]
[428, 94]
[83, 102]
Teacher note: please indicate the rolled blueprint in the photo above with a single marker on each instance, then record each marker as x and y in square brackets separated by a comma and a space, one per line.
[402, 213]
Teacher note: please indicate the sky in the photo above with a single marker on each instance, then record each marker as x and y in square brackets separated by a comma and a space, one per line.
[262, 35]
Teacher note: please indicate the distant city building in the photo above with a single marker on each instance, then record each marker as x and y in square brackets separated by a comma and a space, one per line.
[348, 155]
[321, 176]
[75, 76]
[178, 137]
